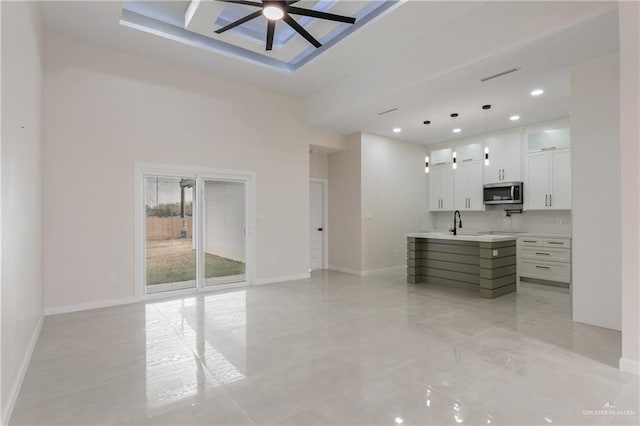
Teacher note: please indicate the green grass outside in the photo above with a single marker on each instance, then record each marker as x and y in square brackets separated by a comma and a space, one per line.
[175, 261]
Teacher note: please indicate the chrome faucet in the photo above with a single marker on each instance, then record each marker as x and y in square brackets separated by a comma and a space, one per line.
[454, 230]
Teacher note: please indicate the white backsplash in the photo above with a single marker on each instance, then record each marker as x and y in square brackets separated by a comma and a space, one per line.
[549, 222]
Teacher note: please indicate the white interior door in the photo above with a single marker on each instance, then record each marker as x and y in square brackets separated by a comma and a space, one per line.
[316, 223]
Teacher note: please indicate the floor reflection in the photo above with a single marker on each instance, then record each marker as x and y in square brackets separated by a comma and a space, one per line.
[185, 339]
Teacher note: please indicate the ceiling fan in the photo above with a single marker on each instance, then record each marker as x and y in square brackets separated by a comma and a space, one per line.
[276, 10]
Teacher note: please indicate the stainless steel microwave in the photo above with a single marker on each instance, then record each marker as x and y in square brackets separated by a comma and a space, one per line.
[503, 193]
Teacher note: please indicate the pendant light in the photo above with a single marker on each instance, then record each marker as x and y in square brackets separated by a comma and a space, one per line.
[426, 159]
[456, 129]
[486, 109]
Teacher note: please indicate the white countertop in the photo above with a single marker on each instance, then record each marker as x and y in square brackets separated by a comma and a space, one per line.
[487, 238]
[542, 235]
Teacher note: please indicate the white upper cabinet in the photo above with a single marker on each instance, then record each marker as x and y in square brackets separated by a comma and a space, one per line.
[560, 195]
[441, 188]
[468, 186]
[468, 177]
[536, 183]
[548, 138]
[547, 174]
[505, 157]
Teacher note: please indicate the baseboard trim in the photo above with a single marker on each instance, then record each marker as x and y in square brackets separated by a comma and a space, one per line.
[22, 371]
[274, 280]
[91, 305]
[368, 272]
[344, 270]
[629, 366]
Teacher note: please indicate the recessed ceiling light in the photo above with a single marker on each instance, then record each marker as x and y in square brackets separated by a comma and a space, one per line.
[399, 420]
[397, 130]
[273, 13]
[537, 92]
[514, 118]
[457, 130]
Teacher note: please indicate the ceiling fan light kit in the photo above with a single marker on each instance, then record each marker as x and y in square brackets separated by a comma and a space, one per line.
[281, 10]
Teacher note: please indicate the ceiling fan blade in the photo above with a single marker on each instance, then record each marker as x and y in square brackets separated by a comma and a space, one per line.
[293, 24]
[271, 29]
[244, 2]
[321, 15]
[241, 21]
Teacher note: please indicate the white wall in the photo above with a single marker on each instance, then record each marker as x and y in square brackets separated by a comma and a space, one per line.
[494, 219]
[106, 110]
[394, 198]
[344, 226]
[318, 165]
[224, 219]
[630, 178]
[377, 194]
[595, 163]
[21, 155]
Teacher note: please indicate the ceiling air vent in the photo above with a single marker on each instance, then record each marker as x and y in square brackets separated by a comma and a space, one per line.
[388, 111]
[500, 74]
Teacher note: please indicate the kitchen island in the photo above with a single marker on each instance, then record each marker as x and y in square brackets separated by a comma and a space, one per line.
[487, 262]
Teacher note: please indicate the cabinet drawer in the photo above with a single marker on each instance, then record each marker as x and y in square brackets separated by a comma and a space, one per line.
[557, 243]
[543, 253]
[526, 241]
[546, 270]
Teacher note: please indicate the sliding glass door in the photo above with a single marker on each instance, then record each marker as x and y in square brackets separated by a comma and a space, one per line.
[194, 232]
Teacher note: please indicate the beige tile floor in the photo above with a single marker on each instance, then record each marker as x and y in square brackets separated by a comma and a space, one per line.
[335, 349]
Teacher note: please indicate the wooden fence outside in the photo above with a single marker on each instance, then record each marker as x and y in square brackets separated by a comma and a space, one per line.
[167, 228]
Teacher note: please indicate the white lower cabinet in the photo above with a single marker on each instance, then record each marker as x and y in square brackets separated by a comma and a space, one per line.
[545, 258]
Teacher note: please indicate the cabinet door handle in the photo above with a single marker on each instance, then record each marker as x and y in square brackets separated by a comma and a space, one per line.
[546, 200]
[529, 241]
[542, 267]
[550, 202]
[543, 254]
[555, 242]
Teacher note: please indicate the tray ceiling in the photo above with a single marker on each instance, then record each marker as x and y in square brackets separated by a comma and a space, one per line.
[194, 22]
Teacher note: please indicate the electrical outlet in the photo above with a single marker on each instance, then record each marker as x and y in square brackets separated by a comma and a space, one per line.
[111, 278]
